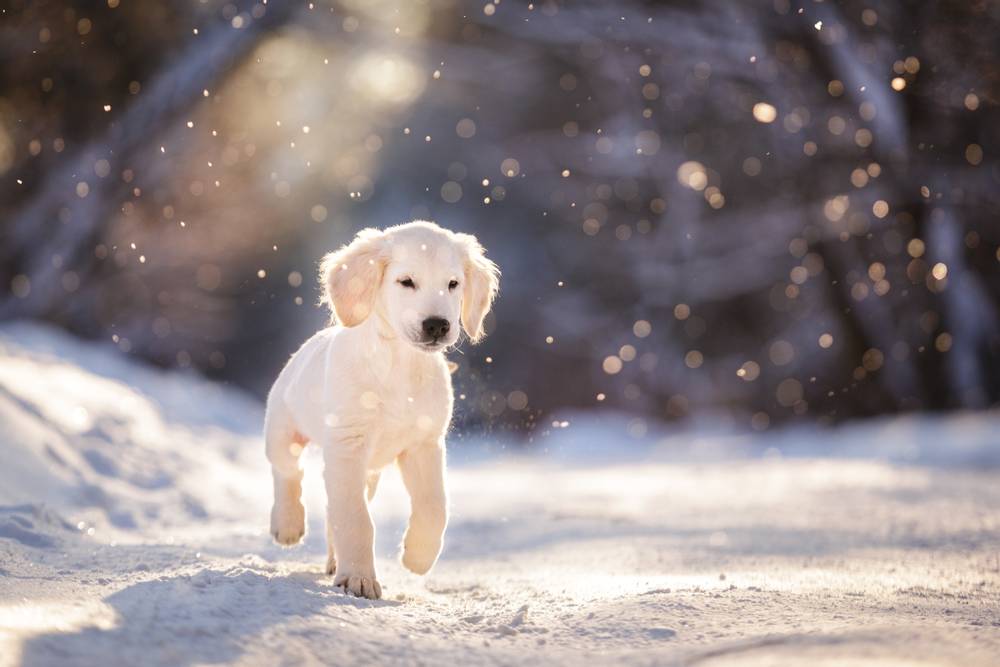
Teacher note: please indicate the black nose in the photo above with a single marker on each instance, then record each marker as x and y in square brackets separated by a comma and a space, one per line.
[436, 327]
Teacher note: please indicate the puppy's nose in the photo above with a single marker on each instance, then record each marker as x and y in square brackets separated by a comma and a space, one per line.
[436, 327]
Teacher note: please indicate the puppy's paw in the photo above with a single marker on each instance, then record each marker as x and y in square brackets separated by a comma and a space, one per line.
[331, 564]
[419, 558]
[288, 522]
[359, 585]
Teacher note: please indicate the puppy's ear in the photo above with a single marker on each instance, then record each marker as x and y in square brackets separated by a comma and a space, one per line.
[351, 277]
[482, 280]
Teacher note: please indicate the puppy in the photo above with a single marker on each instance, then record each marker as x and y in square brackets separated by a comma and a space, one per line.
[375, 388]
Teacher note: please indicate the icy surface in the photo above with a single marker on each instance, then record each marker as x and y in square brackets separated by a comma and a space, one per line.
[133, 508]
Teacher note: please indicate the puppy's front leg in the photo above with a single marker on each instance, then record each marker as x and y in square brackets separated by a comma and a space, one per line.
[422, 469]
[349, 523]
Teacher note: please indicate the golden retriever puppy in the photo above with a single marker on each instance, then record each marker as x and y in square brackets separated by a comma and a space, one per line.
[375, 388]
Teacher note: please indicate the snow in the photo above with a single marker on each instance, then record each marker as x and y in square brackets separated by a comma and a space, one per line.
[134, 503]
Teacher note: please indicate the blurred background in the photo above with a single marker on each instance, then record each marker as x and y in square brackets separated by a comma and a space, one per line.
[760, 211]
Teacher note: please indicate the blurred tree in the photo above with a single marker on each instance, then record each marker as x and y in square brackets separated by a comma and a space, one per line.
[758, 210]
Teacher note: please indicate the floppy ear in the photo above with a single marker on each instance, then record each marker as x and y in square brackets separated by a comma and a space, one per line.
[482, 280]
[351, 277]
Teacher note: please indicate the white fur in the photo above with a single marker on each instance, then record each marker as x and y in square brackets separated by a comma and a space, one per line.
[369, 391]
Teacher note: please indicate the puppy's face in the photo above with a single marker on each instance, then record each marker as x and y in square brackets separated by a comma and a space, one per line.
[425, 282]
[421, 291]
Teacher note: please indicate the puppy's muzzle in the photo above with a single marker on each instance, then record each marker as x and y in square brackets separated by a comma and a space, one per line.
[435, 328]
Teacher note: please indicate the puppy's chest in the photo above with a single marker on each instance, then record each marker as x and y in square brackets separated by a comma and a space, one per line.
[413, 409]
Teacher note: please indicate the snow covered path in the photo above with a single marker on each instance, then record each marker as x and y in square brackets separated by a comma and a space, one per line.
[550, 559]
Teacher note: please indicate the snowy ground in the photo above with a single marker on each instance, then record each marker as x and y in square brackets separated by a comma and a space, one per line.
[133, 509]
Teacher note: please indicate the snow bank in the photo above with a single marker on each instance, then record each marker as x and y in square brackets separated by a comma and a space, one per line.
[124, 446]
[960, 439]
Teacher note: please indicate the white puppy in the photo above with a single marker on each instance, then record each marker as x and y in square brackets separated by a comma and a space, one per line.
[376, 389]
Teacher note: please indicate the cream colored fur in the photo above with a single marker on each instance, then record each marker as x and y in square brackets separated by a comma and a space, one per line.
[370, 391]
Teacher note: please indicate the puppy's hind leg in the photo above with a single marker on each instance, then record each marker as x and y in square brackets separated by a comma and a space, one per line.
[371, 485]
[284, 447]
[331, 551]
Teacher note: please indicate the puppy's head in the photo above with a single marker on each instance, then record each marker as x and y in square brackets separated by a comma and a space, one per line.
[425, 282]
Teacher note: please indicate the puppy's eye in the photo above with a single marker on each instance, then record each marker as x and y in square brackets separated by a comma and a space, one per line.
[452, 284]
[408, 282]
